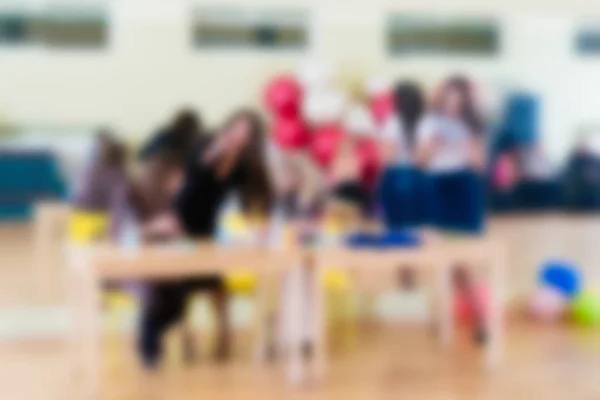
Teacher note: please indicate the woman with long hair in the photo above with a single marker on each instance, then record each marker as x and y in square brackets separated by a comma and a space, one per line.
[230, 160]
[400, 186]
[451, 148]
[178, 137]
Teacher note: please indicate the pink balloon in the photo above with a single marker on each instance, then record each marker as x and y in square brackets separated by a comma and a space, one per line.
[283, 96]
[547, 304]
[369, 160]
[325, 143]
[504, 172]
[291, 133]
[382, 106]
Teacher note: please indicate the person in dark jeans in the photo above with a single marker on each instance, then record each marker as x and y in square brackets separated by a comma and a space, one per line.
[230, 160]
[582, 180]
[451, 148]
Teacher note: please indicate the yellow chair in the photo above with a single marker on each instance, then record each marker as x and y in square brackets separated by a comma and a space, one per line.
[87, 227]
[336, 281]
[241, 282]
[236, 225]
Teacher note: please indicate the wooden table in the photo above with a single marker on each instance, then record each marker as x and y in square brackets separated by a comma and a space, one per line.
[50, 235]
[90, 266]
[436, 257]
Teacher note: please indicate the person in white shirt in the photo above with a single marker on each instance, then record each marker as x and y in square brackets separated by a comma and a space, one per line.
[400, 191]
[450, 147]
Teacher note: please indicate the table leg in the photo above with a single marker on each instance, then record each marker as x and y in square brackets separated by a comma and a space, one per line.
[315, 297]
[86, 329]
[50, 236]
[42, 253]
[494, 321]
[292, 311]
[444, 300]
[305, 324]
[266, 347]
[93, 336]
[74, 345]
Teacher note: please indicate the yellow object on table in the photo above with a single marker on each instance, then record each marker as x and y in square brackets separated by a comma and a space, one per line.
[86, 227]
[236, 224]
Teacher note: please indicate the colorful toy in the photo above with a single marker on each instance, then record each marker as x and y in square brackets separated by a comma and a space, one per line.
[561, 275]
[547, 304]
[585, 309]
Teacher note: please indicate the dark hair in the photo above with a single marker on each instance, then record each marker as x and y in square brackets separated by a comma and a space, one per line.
[187, 125]
[178, 137]
[408, 98]
[112, 152]
[470, 113]
[256, 190]
[148, 196]
[168, 160]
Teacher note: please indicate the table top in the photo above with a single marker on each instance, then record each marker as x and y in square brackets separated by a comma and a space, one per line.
[433, 252]
[109, 261]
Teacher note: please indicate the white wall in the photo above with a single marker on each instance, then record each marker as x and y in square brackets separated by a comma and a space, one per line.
[150, 69]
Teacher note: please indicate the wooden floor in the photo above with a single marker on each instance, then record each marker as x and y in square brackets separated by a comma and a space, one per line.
[543, 362]
[379, 363]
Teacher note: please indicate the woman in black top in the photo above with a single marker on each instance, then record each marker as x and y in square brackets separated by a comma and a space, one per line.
[231, 160]
[177, 138]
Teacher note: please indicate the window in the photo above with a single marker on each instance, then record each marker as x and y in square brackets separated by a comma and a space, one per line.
[55, 28]
[73, 28]
[587, 40]
[443, 36]
[262, 29]
[15, 28]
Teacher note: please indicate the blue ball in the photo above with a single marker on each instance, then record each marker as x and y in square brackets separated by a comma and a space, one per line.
[562, 276]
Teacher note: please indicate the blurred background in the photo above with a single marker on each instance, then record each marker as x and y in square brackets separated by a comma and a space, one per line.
[136, 64]
[70, 67]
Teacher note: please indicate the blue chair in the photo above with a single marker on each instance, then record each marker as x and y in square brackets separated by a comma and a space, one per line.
[25, 178]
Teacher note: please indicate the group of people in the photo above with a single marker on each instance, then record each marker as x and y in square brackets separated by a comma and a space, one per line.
[433, 153]
[525, 179]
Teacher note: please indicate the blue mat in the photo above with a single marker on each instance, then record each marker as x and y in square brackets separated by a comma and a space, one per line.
[385, 240]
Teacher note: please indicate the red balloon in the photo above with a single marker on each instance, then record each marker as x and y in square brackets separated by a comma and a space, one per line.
[367, 151]
[325, 143]
[382, 106]
[291, 133]
[283, 96]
